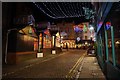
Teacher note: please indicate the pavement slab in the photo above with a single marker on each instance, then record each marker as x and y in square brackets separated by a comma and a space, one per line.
[90, 69]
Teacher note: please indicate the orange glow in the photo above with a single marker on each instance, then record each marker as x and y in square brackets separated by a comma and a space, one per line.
[40, 35]
[47, 43]
[71, 43]
[47, 32]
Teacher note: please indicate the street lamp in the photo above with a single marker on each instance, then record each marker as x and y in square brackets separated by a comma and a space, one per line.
[91, 28]
[6, 50]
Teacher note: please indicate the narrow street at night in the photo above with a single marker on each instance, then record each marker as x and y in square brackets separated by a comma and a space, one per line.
[60, 40]
[56, 67]
[63, 66]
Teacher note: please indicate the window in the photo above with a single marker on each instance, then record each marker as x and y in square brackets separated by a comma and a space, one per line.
[109, 44]
[114, 17]
[103, 44]
[117, 43]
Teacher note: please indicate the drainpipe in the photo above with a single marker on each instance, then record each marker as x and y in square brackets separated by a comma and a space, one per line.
[6, 50]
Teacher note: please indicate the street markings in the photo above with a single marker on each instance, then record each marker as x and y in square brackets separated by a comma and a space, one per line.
[80, 69]
[72, 70]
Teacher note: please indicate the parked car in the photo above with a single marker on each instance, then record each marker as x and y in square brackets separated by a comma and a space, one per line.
[91, 51]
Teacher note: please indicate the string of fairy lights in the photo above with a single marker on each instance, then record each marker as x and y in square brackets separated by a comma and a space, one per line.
[66, 12]
[43, 11]
[49, 9]
[54, 9]
[68, 7]
[57, 10]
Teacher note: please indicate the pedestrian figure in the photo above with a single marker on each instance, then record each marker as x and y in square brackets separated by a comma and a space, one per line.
[67, 46]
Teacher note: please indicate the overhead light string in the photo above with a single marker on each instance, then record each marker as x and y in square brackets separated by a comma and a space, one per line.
[78, 9]
[49, 10]
[61, 9]
[56, 11]
[66, 10]
[82, 10]
[74, 8]
[44, 11]
[72, 14]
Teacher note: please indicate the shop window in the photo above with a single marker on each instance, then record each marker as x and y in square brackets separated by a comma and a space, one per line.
[103, 44]
[117, 43]
[115, 20]
[109, 45]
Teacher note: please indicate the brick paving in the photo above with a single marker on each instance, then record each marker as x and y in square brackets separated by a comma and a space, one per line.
[57, 67]
[6, 69]
[90, 70]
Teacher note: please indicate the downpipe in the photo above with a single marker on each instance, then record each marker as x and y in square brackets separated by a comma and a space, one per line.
[6, 50]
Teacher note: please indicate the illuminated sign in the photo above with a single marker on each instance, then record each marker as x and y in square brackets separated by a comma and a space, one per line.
[77, 29]
[108, 24]
[99, 26]
[78, 38]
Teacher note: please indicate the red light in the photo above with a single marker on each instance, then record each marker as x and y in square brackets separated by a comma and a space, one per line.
[108, 24]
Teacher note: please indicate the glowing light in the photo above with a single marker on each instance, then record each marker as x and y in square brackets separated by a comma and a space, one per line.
[61, 10]
[61, 37]
[108, 24]
[63, 33]
[57, 34]
[88, 12]
[39, 55]
[49, 9]
[55, 10]
[47, 32]
[44, 11]
[86, 43]
[78, 38]
[53, 40]
[84, 28]
[91, 28]
[77, 29]
[30, 31]
[53, 52]
[117, 42]
[65, 10]
[100, 24]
